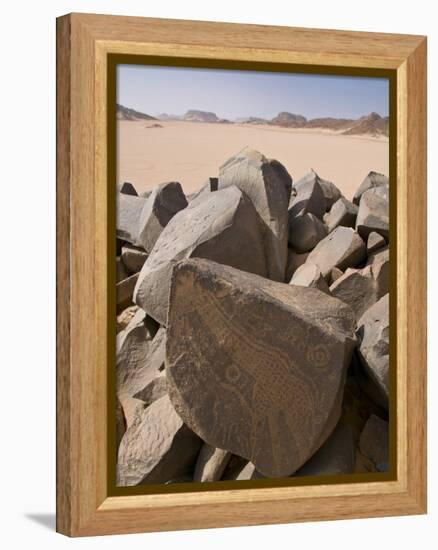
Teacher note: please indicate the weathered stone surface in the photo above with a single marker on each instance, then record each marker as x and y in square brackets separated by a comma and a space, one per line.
[121, 272]
[343, 212]
[374, 444]
[336, 456]
[211, 463]
[132, 409]
[382, 191]
[133, 258]
[373, 179]
[224, 227]
[254, 366]
[268, 185]
[335, 273]
[139, 358]
[373, 215]
[378, 256]
[128, 213]
[127, 188]
[309, 275]
[305, 232]
[154, 389]
[373, 332]
[307, 197]
[157, 447]
[125, 291]
[342, 248]
[294, 260]
[361, 288]
[162, 204]
[375, 242]
[330, 192]
[125, 317]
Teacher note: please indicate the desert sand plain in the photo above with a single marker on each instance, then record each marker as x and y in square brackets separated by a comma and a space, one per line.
[190, 152]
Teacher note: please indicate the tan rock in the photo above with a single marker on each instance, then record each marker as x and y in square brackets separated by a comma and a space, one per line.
[309, 275]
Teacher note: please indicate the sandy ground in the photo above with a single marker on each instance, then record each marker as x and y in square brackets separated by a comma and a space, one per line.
[190, 152]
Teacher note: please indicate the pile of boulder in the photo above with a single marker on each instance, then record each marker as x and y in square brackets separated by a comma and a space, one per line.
[253, 327]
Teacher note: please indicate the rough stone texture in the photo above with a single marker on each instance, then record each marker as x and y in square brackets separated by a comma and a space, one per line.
[139, 358]
[128, 213]
[224, 227]
[157, 447]
[124, 318]
[211, 463]
[382, 191]
[132, 409]
[268, 185]
[133, 258]
[330, 192]
[361, 288]
[294, 260]
[373, 215]
[336, 456]
[373, 179]
[309, 275]
[378, 256]
[373, 332]
[307, 197]
[227, 330]
[305, 232]
[162, 204]
[342, 248]
[127, 188]
[125, 291]
[154, 389]
[335, 273]
[374, 443]
[343, 212]
[375, 242]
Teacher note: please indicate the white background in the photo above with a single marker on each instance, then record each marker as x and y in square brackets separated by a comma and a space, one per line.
[27, 256]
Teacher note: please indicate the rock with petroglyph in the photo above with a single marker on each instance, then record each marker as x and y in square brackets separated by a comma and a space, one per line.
[256, 367]
[309, 275]
[224, 227]
[157, 447]
[268, 185]
[305, 232]
[342, 248]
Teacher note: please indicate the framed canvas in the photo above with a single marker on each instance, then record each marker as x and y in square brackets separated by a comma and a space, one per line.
[241, 274]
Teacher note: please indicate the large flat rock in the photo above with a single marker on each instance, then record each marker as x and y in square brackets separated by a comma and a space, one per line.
[268, 185]
[256, 367]
[224, 227]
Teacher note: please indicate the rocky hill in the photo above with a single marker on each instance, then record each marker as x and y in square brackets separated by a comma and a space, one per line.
[200, 116]
[124, 113]
[289, 120]
[372, 124]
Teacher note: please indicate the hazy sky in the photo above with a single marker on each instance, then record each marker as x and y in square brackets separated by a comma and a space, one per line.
[232, 94]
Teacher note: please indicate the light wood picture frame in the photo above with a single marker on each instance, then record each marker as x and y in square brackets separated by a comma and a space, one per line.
[88, 46]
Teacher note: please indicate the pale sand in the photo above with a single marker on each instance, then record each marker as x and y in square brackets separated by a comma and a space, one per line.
[190, 152]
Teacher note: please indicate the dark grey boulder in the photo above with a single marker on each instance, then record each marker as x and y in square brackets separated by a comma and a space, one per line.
[225, 228]
[125, 291]
[256, 367]
[373, 179]
[342, 248]
[128, 213]
[307, 197]
[343, 212]
[305, 232]
[268, 185]
[373, 215]
[330, 192]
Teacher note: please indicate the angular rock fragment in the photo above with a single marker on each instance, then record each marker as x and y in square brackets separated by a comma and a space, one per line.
[162, 204]
[343, 212]
[124, 318]
[224, 227]
[121, 272]
[127, 189]
[133, 258]
[209, 187]
[373, 331]
[330, 192]
[254, 366]
[125, 291]
[211, 463]
[268, 185]
[294, 260]
[335, 274]
[373, 215]
[373, 179]
[336, 456]
[374, 445]
[342, 248]
[375, 242]
[307, 197]
[378, 256]
[381, 191]
[128, 210]
[132, 409]
[305, 232]
[361, 288]
[154, 389]
[309, 275]
[157, 447]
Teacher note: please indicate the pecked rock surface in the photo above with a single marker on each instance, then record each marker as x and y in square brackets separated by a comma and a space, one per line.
[224, 227]
[254, 366]
[268, 185]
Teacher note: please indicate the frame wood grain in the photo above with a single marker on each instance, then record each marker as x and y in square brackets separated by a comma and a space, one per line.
[83, 45]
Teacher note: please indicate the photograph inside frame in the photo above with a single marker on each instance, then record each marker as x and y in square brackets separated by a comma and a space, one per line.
[252, 275]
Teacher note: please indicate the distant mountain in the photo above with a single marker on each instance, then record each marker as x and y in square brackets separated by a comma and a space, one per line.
[252, 120]
[289, 120]
[330, 123]
[165, 116]
[200, 116]
[372, 124]
[124, 113]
